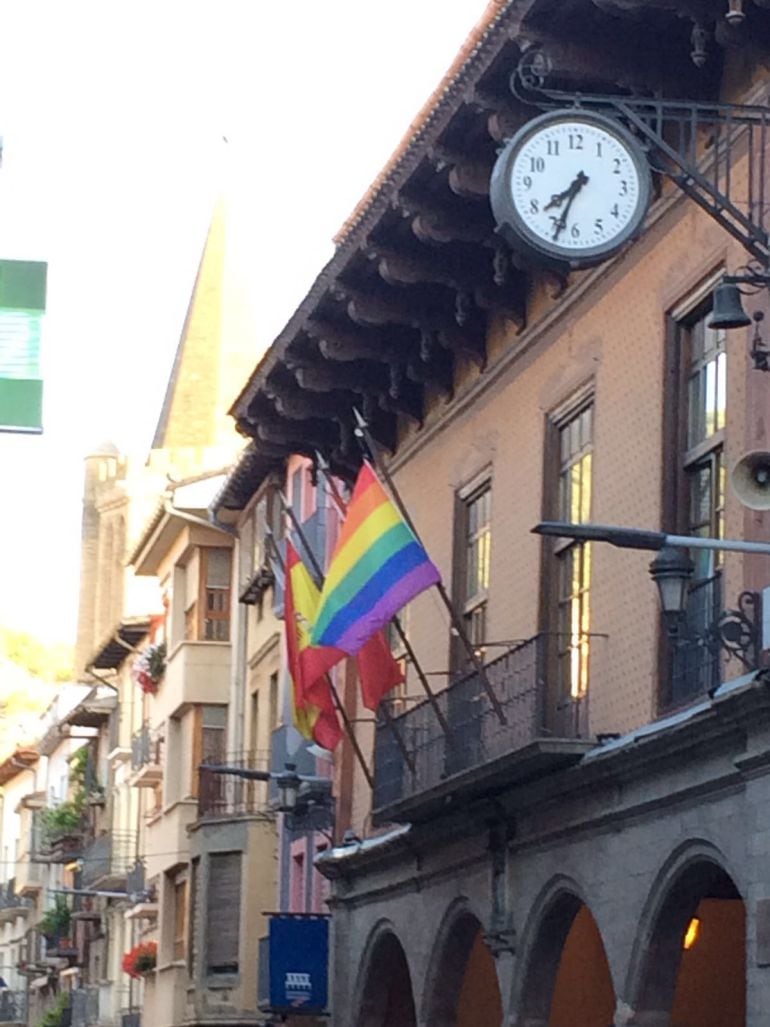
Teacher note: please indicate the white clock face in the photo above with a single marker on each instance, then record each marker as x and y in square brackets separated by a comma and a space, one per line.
[578, 189]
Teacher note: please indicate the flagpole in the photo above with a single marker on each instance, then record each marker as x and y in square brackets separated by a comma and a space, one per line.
[319, 575]
[335, 696]
[402, 635]
[362, 432]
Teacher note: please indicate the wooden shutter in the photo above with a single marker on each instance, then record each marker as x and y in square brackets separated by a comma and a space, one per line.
[223, 912]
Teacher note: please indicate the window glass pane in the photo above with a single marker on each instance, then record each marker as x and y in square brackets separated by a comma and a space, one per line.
[218, 568]
[574, 495]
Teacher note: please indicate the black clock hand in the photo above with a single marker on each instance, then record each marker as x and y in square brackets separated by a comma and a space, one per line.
[558, 198]
[580, 180]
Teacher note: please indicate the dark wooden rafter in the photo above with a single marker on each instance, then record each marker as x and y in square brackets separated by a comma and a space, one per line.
[344, 341]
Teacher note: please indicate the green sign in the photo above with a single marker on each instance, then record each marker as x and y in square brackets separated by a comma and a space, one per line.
[22, 306]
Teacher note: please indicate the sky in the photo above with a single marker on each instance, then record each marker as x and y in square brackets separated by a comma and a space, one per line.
[122, 123]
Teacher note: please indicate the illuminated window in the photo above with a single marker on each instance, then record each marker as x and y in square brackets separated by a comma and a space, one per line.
[575, 444]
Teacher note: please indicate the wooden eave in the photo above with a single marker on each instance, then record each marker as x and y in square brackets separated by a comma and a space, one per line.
[419, 270]
[18, 761]
[117, 647]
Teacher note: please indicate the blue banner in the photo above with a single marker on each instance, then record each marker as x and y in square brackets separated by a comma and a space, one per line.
[299, 963]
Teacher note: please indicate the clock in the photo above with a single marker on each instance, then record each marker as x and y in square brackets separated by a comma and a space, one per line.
[571, 187]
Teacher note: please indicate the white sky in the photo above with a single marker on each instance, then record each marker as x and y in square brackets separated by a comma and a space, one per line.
[113, 117]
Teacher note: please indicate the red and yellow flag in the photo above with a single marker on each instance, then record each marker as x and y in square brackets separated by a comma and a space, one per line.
[314, 714]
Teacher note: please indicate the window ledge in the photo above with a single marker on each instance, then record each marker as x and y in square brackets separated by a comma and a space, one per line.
[194, 642]
[171, 965]
[221, 982]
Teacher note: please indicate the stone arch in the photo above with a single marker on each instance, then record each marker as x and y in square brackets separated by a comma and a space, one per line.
[565, 976]
[383, 995]
[672, 975]
[461, 987]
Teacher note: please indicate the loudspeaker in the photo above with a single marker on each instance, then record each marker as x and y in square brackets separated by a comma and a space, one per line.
[750, 479]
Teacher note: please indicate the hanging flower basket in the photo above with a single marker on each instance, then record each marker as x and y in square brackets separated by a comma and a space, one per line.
[141, 959]
[149, 667]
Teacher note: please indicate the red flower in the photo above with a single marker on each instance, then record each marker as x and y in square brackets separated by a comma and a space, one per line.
[141, 959]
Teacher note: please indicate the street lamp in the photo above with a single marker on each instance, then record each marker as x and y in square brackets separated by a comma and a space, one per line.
[736, 631]
[288, 788]
[671, 570]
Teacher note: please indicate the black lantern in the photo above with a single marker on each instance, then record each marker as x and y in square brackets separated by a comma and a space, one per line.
[671, 570]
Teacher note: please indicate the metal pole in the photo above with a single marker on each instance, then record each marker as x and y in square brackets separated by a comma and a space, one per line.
[402, 635]
[722, 544]
[362, 431]
[335, 697]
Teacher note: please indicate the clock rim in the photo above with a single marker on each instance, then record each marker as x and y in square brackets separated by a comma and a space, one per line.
[515, 230]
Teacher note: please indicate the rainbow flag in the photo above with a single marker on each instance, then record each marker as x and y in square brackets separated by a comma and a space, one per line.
[378, 565]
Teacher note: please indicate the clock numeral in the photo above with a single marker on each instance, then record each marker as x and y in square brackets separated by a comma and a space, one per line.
[599, 225]
[536, 164]
[617, 165]
[576, 142]
[534, 207]
[623, 187]
[527, 181]
[598, 149]
[615, 211]
[575, 232]
[553, 147]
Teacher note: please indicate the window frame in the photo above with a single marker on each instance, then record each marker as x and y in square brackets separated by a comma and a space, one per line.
[197, 613]
[471, 608]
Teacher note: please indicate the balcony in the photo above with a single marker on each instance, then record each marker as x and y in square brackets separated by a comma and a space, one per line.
[13, 1006]
[480, 754]
[12, 904]
[61, 832]
[147, 757]
[133, 1019]
[107, 861]
[196, 673]
[61, 944]
[225, 796]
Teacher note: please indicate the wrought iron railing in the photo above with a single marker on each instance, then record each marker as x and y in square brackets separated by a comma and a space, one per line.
[85, 1006]
[131, 1019]
[13, 1006]
[111, 856]
[147, 747]
[9, 899]
[227, 795]
[476, 735]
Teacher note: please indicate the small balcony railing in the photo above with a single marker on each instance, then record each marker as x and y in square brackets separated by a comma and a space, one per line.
[147, 747]
[221, 796]
[108, 860]
[85, 1006]
[479, 750]
[13, 1006]
[132, 1019]
[11, 903]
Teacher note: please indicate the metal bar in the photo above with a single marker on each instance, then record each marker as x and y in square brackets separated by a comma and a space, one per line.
[456, 621]
[402, 635]
[753, 238]
[762, 158]
[332, 688]
[406, 755]
[720, 544]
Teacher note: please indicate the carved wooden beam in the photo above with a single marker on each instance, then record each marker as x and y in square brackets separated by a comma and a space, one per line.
[416, 308]
[434, 226]
[337, 342]
[467, 178]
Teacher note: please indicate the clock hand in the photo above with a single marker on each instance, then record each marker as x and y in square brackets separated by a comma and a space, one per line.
[580, 180]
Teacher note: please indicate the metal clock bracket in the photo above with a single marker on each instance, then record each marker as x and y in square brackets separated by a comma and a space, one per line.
[694, 144]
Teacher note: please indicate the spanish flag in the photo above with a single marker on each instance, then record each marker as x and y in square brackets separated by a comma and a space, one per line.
[314, 714]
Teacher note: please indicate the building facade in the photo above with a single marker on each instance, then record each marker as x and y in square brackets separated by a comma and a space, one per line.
[578, 839]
